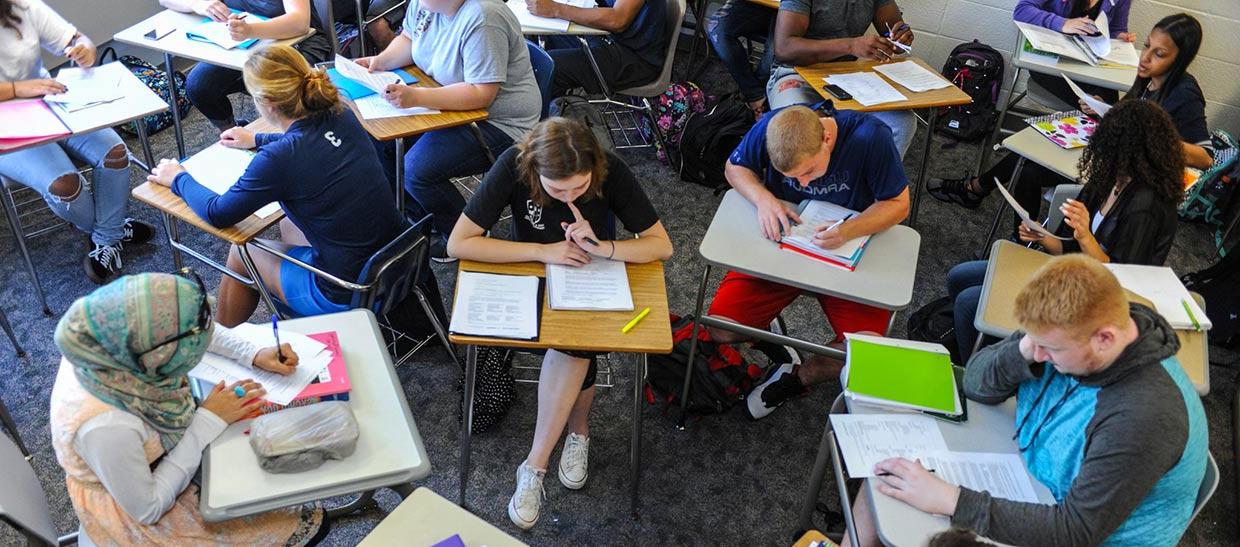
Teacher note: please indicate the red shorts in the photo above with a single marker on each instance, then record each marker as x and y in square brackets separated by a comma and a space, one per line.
[755, 302]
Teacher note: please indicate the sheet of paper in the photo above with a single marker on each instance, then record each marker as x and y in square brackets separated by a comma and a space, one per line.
[27, 119]
[218, 167]
[1003, 475]
[1100, 44]
[1050, 41]
[373, 107]
[1160, 286]
[1023, 214]
[1098, 106]
[375, 81]
[531, 22]
[818, 213]
[912, 76]
[311, 354]
[504, 306]
[600, 285]
[1122, 54]
[85, 88]
[866, 439]
[867, 88]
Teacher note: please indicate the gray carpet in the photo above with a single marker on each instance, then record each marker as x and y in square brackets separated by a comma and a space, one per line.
[726, 480]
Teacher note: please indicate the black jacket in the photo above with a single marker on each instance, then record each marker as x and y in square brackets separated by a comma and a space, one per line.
[1139, 228]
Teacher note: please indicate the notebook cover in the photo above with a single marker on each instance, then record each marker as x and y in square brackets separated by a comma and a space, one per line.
[193, 35]
[30, 121]
[355, 91]
[904, 375]
[1068, 130]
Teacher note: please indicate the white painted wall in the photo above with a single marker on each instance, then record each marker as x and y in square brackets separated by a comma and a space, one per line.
[100, 19]
[943, 24]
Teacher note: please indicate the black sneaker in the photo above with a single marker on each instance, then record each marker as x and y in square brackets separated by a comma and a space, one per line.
[439, 251]
[137, 232]
[103, 263]
[782, 385]
[955, 191]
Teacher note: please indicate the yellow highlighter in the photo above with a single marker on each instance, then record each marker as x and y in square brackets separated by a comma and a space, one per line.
[635, 321]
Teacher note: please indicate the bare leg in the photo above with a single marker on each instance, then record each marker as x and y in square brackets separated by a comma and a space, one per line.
[291, 234]
[579, 419]
[237, 302]
[867, 536]
[559, 387]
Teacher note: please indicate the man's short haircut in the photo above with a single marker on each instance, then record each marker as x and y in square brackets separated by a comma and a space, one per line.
[793, 135]
[1074, 293]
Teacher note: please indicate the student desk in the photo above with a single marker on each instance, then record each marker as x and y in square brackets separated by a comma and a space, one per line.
[585, 331]
[425, 518]
[177, 44]
[1010, 268]
[930, 100]
[389, 451]
[174, 209]
[1030, 145]
[733, 242]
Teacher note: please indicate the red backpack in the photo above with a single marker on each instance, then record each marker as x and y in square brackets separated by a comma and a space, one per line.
[720, 376]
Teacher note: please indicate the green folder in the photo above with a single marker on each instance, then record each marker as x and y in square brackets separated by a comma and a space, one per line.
[908, 374]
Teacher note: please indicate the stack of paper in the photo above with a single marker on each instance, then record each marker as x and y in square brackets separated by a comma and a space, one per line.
[901, 374]
[218, 168]
[500, 306]
[1098, 50]
[866, 88]
[312, 358]
[1160, 286]
[85, 88]
[912, 76]
[600, 285]
[530, 22]
[815, 214]
[374, 107]
[374, 81]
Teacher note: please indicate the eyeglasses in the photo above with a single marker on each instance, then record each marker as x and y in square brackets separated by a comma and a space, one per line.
[204, 311]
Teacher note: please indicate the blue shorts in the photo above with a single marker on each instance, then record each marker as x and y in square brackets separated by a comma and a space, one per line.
[301, 293]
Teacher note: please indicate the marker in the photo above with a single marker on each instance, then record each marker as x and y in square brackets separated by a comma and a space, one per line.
[1191, 316]
[635, 321]
[275, 329]
[240, 391]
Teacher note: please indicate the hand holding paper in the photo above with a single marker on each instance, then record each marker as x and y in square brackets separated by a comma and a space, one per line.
[375, 81]
[1097, 106]
[1023, 214]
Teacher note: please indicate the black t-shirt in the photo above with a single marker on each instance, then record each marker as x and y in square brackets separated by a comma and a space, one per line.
[1187, 107]
[532, 223]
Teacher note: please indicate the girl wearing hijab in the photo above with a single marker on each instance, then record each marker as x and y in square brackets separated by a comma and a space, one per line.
[125, 427]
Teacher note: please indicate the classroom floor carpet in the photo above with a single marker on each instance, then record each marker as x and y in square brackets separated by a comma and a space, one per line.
[724, 480]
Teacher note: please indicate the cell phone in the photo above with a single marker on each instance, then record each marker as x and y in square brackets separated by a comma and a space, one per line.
[837, 92]
[158, 32]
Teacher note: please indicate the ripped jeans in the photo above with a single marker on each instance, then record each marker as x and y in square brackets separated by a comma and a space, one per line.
[98, 211]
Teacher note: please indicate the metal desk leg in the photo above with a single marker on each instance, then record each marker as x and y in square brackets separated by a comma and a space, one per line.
[400, 175]
[7, 421]
[467, 424]
[144, 139]
[994, 135]
[994, 226]
[258, 280]
[635, 447]
[174, 239]
[8, 331]
[361, 28]
[693, 343]
[931, 118]
[840, 481]
[602, 82]
[440, 331]
[173, 96]
[805, 521]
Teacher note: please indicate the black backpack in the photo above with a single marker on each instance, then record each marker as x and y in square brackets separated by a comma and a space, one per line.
[936, 323]
[578, 108]
[709, 137]
[977, 69]
[720, 376]
[1217, 285]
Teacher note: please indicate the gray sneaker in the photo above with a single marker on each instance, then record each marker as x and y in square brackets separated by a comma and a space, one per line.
[526, 502]
[573, 461]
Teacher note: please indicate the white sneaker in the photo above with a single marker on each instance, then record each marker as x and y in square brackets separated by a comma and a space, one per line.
[574, 469]
[527, 500]
[780, 386]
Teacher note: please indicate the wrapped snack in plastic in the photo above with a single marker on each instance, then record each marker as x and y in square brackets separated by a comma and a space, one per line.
[302, 438]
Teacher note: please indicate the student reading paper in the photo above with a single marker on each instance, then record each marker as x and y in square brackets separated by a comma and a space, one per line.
[563, 190]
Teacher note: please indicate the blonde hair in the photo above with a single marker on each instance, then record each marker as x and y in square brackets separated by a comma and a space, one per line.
[558, 148]
[793, 135]
[1074, 293]
[280, 76]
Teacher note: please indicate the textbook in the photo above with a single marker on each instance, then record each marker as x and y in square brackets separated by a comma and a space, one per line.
[1100, 50]
[215, 32]
[815, 213]
[1068, 130]
[902, 374]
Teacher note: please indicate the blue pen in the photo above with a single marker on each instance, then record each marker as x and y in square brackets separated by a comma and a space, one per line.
[275, 329]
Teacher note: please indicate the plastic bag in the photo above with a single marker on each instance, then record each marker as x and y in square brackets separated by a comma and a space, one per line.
[302, 438]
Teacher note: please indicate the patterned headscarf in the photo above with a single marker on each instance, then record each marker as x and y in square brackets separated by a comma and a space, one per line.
[108, 336]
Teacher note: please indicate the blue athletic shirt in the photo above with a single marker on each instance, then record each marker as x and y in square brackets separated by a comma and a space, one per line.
[865, 165]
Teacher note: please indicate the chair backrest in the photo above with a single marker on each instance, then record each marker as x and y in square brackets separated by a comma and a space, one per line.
[1061, 194]
[1209, 484]
[544, 66]
[327, 20]
[394, 270]
[23, 505]
[675, 14]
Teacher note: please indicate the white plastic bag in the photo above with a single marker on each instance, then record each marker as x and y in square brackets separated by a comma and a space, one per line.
[302, 438]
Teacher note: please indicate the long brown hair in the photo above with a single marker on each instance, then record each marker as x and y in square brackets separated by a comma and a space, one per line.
[281, 76]
[9, 17]
[1135, 141]
[558, 148]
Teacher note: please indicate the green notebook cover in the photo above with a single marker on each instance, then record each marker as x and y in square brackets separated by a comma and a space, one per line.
[900, 374]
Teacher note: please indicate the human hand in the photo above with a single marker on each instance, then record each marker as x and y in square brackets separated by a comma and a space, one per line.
[775, 219]
[830, 238]
[224, 402]
[400, 95]
[1128, 37]
[164, 173]
[542, 8]
[1028, 235]
[1077, 216]
[872, 46]
[213, 9]
[81, 52]
[26, 89]
[902, 33]
[238, 27]
[565, 252]
[581, 233]
[911, 483]
[1081, 26]
[1084, 106]
[366, 63]
[268, 359]
[238, 137]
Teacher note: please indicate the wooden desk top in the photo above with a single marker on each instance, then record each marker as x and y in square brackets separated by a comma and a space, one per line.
[591, 330]
[947, 96]
[386, 129]
[162, 198]
[773, 4]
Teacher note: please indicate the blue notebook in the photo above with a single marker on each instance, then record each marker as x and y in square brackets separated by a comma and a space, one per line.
[355, 91]
[216, 33]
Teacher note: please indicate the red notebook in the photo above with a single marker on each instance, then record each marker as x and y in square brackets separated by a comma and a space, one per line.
[824, 258]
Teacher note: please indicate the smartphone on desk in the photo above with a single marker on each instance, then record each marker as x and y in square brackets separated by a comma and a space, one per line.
[837, 92]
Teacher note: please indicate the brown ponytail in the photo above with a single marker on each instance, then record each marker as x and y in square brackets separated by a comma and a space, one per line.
[558, 148]
[280, 76]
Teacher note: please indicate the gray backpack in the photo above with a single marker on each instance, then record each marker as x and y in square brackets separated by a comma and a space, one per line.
[578, 108]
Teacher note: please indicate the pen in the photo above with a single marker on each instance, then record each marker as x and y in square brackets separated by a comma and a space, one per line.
[839, 222]
[1191, 316]
[891, 34]
[635, 321]
[591, 241]
[275, 329]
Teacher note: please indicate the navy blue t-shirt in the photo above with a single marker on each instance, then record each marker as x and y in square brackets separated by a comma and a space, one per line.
[647, 34]
[865, 165]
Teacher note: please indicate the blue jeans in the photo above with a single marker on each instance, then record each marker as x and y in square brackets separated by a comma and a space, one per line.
[99, 211]
[743, 19]
[786, 88]
[964, 286]
[433, 161]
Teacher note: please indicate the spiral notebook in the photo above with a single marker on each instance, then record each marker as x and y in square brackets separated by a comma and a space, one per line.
[1069, 130]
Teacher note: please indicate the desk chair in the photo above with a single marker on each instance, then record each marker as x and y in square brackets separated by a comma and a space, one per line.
[23, 505]
[363, 22]
[1061, 194]
[6, 421]
[323, 9]
[27, 214]
[1209, 484]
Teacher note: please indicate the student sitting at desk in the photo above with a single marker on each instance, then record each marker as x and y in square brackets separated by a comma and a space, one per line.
[563, 190]
[1126, 213]
[794, 154]
[48, 169]
[324, 172]
[1105, 418]
[809, 32]
[632, 55]
[1162, 77]
[1074, 17]
[124, 425]
[474, 49]
[744, 19]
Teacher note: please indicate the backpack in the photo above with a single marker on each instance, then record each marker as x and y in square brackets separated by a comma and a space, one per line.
[672, 110]
[1207, 199]
[936, 323]
[156, 79]
[1217, 285]
[578, 108]
[494, 388]
[709, 137]
[977, 69]
[720, 376]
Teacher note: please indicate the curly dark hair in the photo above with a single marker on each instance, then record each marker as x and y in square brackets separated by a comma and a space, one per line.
[1135, 143]
[9, 17]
